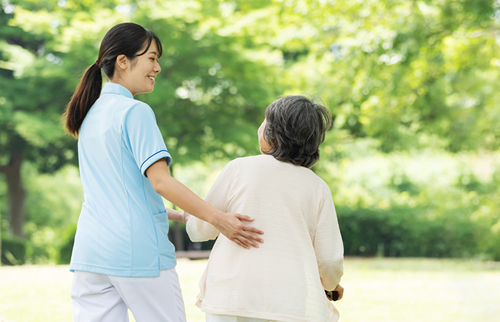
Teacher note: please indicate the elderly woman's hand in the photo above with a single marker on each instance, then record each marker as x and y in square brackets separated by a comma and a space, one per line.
[339, 289]
[336, 294]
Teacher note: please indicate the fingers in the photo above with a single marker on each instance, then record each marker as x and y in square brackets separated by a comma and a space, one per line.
[250, 235]
[248, 232]
[252, 229]
[340, 291]
[244, 244]
[250, 239]
[249, 228]
[243, 235]
[244, 218]
[246, 240]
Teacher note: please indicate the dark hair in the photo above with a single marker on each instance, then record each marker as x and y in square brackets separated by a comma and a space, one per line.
[123, 39]
[295, 128]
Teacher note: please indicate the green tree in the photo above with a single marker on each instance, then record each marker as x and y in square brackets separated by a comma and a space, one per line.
[208, 98]
[410, 74]
[31, 101]
[210, 95]
[402, 74]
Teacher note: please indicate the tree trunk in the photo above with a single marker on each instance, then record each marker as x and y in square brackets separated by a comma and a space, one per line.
[16, 193]
[177, 236]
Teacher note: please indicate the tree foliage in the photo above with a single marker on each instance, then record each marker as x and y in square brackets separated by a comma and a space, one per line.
[411, 74]
[398, 75]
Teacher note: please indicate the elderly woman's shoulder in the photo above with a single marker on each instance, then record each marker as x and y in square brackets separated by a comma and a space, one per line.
[254, 159]
[264, 161]
[251, 162]
[240, 163]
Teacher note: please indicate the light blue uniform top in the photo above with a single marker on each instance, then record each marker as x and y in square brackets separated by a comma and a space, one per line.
[123, 225]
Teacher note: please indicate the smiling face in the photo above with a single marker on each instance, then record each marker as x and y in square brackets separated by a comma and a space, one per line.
[138, 75]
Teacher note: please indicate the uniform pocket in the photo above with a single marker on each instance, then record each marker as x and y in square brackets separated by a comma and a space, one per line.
[161, 227]
[161, 223]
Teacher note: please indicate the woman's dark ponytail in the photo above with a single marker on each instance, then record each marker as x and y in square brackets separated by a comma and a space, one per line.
[85, 95]
[127, 39]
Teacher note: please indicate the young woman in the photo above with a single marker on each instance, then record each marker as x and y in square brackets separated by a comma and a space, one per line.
[284, 279]
[122, 258]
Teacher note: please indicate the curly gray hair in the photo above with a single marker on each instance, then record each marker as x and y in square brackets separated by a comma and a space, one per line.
[295, 128]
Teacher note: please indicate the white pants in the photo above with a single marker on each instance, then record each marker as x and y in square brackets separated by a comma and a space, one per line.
[230, 318]
[103, 298]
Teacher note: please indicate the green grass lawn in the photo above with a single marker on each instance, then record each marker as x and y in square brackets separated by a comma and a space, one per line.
[388, 290]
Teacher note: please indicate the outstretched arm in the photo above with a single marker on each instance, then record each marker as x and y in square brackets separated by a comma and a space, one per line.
[229, 225]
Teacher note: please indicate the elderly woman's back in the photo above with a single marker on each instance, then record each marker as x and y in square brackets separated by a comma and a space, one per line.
[284, 279]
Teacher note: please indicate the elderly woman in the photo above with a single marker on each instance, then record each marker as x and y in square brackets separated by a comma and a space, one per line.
[286, 277]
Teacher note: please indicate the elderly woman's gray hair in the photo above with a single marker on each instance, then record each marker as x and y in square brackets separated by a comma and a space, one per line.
[295, 128]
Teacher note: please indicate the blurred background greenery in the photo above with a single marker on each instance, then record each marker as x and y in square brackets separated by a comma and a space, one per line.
[413, 158]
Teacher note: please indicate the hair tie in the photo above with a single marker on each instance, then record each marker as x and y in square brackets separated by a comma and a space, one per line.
[97, 63]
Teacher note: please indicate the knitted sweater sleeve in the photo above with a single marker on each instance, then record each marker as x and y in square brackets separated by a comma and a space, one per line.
[328, 244]
[199, 230]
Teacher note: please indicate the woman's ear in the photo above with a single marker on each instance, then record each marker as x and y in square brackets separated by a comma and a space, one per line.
[122, 62]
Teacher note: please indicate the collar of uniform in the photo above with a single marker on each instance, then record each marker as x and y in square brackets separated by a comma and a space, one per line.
[114, 88]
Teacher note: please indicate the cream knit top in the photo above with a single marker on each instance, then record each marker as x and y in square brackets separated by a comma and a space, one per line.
[302, 254]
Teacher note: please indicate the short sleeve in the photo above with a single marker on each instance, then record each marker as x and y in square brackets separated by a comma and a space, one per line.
[143, 137]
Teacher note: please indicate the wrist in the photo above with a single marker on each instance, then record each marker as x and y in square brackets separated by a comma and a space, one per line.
[215, 218]
[185, 217]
